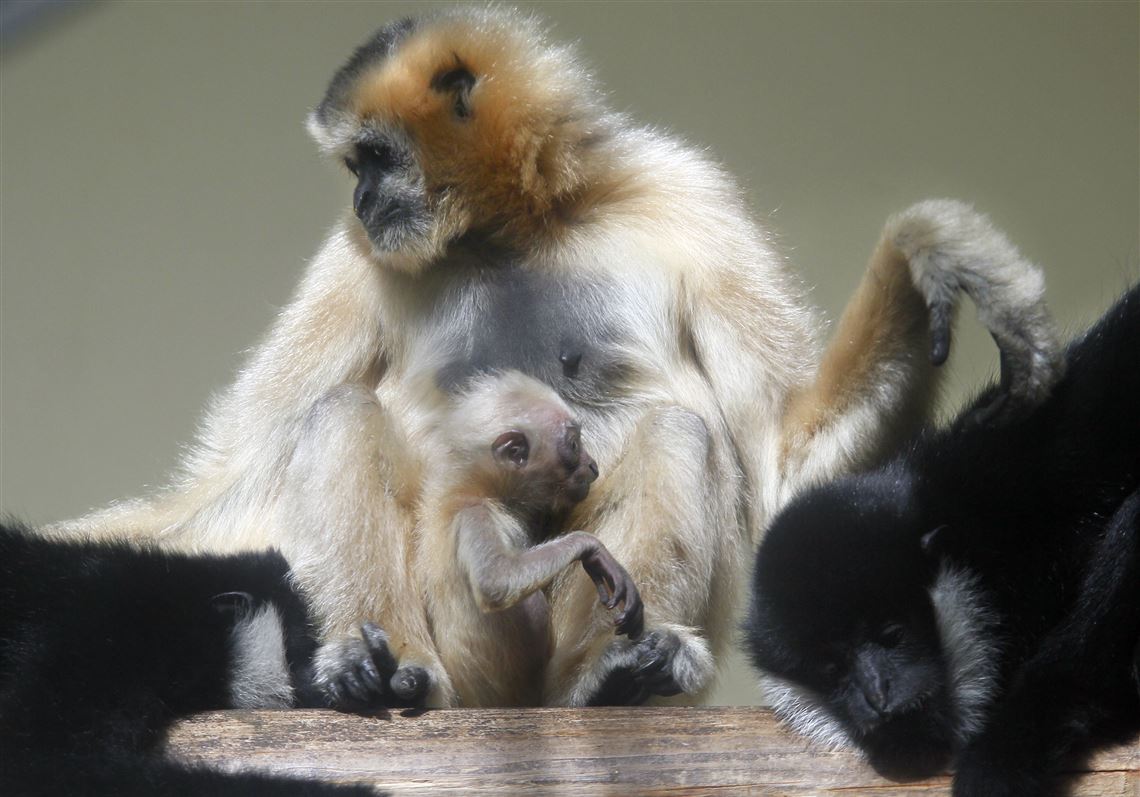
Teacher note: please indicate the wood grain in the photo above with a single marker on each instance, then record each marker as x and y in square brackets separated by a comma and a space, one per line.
[603, 751]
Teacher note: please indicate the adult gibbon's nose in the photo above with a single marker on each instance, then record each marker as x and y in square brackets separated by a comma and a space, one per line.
[364, 197]
[872, 673]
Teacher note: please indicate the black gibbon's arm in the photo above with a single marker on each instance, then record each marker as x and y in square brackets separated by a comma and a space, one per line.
[103, 645]
[501, 574]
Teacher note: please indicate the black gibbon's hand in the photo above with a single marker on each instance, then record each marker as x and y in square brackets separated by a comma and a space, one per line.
[616, 591]
[362, 674]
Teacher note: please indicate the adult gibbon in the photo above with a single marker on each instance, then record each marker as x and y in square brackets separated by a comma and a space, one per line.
[104, 644]
[979, 595]
[505, 217]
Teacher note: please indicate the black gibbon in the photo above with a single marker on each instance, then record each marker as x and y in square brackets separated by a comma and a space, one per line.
[503, 217]
[103, 644]
[979, 595]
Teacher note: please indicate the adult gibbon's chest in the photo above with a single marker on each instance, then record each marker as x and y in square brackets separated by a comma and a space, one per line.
[593, 339]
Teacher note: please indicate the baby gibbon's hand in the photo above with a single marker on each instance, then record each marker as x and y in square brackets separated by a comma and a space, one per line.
[616, 591]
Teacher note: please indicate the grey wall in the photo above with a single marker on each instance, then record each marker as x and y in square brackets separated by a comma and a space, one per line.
[159, 197]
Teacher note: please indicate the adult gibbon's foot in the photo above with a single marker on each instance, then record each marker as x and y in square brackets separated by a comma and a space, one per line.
[661, 663]
[361, 674]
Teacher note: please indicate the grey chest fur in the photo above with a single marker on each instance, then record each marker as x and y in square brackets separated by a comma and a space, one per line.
[568, 333]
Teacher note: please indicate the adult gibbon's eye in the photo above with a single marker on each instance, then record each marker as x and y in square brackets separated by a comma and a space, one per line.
[352, 167]
[892, 635]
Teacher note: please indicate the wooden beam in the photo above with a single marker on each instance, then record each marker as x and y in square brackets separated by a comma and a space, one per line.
[603, 751]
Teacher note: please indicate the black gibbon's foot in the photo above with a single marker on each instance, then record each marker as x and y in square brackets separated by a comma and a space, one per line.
[361, 674]
[649, 674]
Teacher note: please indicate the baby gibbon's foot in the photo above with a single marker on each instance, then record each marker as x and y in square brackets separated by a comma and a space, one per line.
[616, 591]
[361, 674]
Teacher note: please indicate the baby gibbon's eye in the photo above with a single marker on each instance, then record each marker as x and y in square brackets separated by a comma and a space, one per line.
[350, 164]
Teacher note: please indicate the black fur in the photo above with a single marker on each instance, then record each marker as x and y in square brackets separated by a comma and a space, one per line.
[366, 57]
[103, 645]
[1039, 516]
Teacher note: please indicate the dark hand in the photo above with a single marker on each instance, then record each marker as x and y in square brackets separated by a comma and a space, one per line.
[616, 591]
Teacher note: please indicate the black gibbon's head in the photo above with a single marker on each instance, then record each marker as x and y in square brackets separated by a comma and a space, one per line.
[842, 620]
[464, 121]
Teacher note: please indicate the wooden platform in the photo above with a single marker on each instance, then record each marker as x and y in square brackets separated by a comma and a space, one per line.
[605, 751]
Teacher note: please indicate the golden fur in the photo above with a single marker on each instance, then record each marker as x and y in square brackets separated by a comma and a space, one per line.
[715, 416]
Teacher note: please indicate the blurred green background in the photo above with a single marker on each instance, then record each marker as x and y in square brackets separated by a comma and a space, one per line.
[159, 196]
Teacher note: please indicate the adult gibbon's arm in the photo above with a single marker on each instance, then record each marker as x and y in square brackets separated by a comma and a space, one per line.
[878, 378]
[331, 333]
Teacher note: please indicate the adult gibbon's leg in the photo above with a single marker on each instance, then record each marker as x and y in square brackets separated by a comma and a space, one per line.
[668, 511]
[345, 524]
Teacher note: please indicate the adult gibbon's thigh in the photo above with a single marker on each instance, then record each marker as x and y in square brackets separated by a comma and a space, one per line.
[345, 520]
[668, 511]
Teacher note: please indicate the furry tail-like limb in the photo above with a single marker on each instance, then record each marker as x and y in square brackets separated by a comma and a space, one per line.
[952, 248]
[876, 383]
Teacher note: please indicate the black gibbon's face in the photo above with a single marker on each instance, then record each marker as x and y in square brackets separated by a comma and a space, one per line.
[842, 618]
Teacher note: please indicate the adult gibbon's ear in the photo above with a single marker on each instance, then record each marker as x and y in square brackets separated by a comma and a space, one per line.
[512, 447]
[458, 82]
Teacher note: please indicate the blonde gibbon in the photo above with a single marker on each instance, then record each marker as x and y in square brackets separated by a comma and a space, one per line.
[503, 217]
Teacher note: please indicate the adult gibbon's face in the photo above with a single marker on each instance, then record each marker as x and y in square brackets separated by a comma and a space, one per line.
[843, 620]
[451, 124]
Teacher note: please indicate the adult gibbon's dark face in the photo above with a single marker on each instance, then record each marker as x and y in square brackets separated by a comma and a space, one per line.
[842, 618]
[461, 122]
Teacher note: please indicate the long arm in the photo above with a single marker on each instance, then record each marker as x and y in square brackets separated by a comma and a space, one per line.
[502, 573]
[875, 382]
